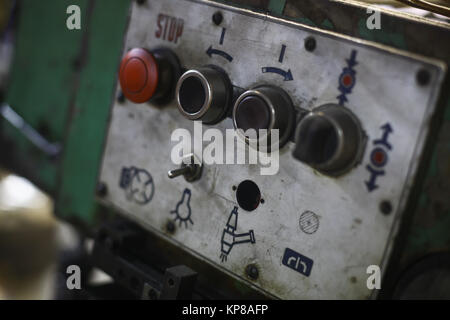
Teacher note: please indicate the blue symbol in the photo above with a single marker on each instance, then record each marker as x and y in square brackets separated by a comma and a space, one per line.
[297, 262]
[222, 36]
[283, 51]
[183, 210]
[387, 130]
[138, 185]
[221, 53]
[347, 79]
[371, 183]
[287, 75]
[379, 157]
[230, 238]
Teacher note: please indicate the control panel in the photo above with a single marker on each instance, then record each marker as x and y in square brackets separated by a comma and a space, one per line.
[278, 153]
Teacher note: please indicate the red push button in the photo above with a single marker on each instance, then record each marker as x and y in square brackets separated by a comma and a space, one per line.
[138, 75]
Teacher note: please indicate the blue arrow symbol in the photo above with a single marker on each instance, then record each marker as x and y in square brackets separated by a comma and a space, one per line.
[221, 53]
[286, 74]
[371, 184]
[352, 61]
[342, 99]
[387, 129]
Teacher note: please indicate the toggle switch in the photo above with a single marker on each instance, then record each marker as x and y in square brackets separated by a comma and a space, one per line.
[330, 139]
[149, 75]
[189, 168]
[264, 107]
[204, 94]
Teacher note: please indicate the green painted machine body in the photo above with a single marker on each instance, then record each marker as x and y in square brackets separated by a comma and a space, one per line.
[62, 82]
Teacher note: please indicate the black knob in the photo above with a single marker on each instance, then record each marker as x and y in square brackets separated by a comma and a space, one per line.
[329, 139]
[264, 107]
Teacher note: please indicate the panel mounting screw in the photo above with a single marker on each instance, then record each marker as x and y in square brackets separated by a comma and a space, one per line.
[120, 97]
[310, 44]
[217, 18]
[140, 2]
[423, 77]
[252, 271]
[152, 295]
[102, 189]
[385, 207]
[170, 226]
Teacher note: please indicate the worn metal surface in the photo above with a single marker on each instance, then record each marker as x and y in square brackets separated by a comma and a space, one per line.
[426, 229]
[349, 238]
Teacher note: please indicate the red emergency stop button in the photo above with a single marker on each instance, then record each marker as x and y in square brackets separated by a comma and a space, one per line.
[139, 75]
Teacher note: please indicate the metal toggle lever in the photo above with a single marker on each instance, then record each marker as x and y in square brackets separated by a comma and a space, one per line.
[189, 169]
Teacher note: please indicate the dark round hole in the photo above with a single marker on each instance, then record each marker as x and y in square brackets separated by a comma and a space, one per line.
[310, 44]
[385, 207]
[217, 18]
[192, 95]
[171, 282]
[248, 195]
[319, 141]
[252, 113]
[423, 77]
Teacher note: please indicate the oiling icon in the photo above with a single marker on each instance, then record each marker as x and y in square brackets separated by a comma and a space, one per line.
[230, 238]
[183, 209]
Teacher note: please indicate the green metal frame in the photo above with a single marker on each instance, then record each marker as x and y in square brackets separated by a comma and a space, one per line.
[62, 83]
[88, 122]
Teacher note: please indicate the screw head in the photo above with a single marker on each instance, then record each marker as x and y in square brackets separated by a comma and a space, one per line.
[217, 18]
[423, 77]
[252, 271]
[140, 2]
[152, 295]
[385, 207]
[310, 44]
[120, 97]
[170, 226]
[102, 189]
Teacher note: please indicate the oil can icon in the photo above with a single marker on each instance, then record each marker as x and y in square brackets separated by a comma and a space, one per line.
[230, 238]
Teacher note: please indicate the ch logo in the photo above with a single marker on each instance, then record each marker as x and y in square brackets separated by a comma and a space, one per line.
[297, 262]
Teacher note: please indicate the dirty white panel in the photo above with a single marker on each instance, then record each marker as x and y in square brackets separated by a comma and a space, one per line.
[314, 236]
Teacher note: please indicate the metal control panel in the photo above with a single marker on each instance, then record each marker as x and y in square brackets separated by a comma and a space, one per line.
[312, 229]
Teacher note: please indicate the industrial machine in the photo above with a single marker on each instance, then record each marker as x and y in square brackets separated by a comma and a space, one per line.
[351, 146]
